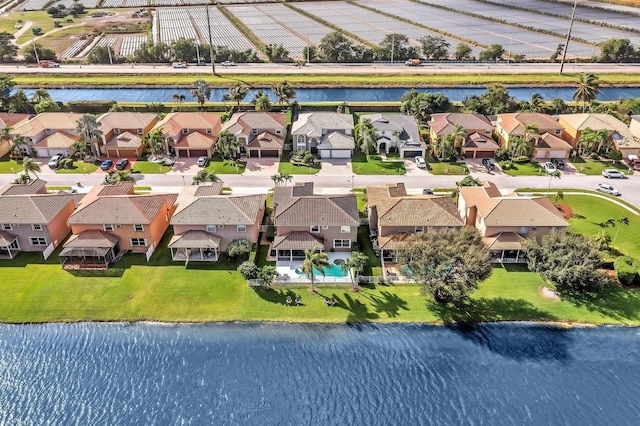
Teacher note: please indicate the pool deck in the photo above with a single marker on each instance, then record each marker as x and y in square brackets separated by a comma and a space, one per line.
[288, 269]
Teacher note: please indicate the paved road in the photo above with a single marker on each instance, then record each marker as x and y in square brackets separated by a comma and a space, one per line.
[363, 69]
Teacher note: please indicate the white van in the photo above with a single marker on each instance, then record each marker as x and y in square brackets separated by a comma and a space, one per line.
[54, 162]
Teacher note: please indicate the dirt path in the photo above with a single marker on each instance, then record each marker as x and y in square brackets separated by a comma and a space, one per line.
[55, 30]
[25, 28]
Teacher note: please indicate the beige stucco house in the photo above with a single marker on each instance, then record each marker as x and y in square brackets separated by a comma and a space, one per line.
[574, 124]
[122, 133]
[478, 143]
[48, 134]
[190, 134]
[261, 134]
[326, 133]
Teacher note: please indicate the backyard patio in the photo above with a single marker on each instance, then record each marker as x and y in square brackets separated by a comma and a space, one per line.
[290, 271]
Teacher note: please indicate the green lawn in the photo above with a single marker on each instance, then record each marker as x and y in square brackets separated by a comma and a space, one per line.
[361, 197]
[375, 166]
[10, 166]
[590, 215]
[530, 168]
[223, 167]
[589, 166]
[148, 168]
[80, 167]
[288, 168]
[446, 167]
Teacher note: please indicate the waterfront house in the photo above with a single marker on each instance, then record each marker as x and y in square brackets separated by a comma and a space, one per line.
[574, 124]
[206, 221]
[32, 220]
[8, 121]
[397, 132]
[112, 220]
[633, 147]
[305, 220]
[122, 133]
[190, 134]
[48, 134]
[504, 221]
[326, 133]
[546, 141]
[477, 144]
[261, 134]
[394, 216]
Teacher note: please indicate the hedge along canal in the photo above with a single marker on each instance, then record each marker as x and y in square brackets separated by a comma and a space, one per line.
[314, 94]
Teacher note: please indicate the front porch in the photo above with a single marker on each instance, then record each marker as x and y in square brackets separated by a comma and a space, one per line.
[198, 246]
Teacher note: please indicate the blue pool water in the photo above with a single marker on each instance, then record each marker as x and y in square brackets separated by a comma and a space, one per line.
[292, 374]
[332, 271]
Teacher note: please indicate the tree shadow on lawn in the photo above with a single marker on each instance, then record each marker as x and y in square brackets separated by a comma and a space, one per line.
[278, 296]
[386, 302]
[615, 302]
[488, 310]
[358, 311]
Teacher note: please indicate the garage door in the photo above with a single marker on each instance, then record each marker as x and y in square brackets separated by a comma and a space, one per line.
[341, 153]
[50, 152]
[253, 153]
[325, 153]
[270, 153]
[484, 154]
[128, 153]
[411, 154]
[195, 153]
[558, 154]
[540, 155]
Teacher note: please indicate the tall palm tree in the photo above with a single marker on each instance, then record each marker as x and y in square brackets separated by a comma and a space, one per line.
[536, 103]
[603, 140]
[154, 140]
[366, 135]
[286, 178]
[459, 135]
[40, 95]
[587, 89]
[530, 130]
[356, 263]
[587, 141]
[622, 221]
[520, 147]
[178, 98]
[314, 259]
[16, 146]
[263, 103]
[284, 92]
[30, 166]
[236, 93]
[89, 128]
[556, 174]
[201, 91]
[277, 179]
[442, 148]
[227, 146]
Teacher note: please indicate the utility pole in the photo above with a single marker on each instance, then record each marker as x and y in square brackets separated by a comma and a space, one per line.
[212, 52]
[197, 51]
[35, 50]
[393, 45]
[109, 50]
[566, 43]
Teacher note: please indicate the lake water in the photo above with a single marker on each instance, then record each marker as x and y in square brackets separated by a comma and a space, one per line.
[379, 94]
[285, 374]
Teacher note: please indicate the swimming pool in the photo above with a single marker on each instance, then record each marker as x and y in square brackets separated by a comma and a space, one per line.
[332, 271]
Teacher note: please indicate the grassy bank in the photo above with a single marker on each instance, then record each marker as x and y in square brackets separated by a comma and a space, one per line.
[310, 80]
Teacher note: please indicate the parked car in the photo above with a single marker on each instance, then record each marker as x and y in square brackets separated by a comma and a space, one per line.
[167, 161]
[633, 162]
[420, 162]
[613, 173]
[558, 162]
[203, 161]
[549, 167]
[54, 162]
[106, 164]
[412, 62]
[427, 191]
[179, 65]
[49, 64]
[607, 189]
[122, 163]
[488, 163]
[228, 64]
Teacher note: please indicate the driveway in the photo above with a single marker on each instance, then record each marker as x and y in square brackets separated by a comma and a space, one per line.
[335, 167]
[262, 166]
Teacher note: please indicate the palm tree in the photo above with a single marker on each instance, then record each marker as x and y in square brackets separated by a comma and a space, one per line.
[201, 91]
[81, 149]
[314, 259]
[602, 240]
[113, 177]
[154, 140]
[602, 140]
[286, 177]
[16, 146]
[622, 221]
[40, 95]
[530, 130]
[559, 196]
[366, 135]
[277, 179]
[88, 128]
[29, 165]
[227, 146]
[587, 141]
[459, 135]
[263, 103]
[178, 98]
[536, 103]
[587, 89]
[556, 174]
[284, 92]
[520, 147]
[442, 147]
[356, 262]
[236, 93]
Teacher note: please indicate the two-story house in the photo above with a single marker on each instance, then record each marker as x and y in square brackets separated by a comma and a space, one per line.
[261, 134]
[205, 222]
[574, 124]
[546, 141]
[633, 145]
[112, 220]
[397, 132]
[477, 144]
[8, 121]
[32, 220]
[190, 134]
[48, 134]
[394, 215]
[504, 221]
[326, 133]
[305, 220]
[122, 133]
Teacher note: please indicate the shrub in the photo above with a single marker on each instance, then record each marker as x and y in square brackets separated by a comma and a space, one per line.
[507, 165]
[521, 159]
[594, 156]
[238, 247]
[249, 270]
[625, 270]
[615, 155]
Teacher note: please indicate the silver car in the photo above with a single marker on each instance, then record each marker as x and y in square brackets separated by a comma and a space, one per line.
[613, 173]
[607, 189]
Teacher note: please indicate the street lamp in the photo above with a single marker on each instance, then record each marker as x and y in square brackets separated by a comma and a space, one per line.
[353, 178]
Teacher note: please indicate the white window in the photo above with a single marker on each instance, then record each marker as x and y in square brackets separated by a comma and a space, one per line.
[558, 131]
[185, 131]
[524, 229]
[36, 227]
[314, 229]
[211, 228]
[38, 241]
[138, 228]
[325, 227]
[254, 131]
[345, 229]
[138, 242]
[108, 228]
[278, 131]
[140, 131]
[241, 228]
[7, 227]
[209, 131]
[116, 131]
[341, 243]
